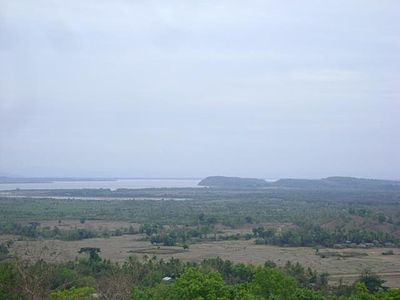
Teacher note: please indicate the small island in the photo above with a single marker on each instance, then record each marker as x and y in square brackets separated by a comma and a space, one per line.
[232, 182]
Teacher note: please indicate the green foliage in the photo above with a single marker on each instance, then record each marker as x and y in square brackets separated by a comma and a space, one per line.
[168, 239]
[314, 235]
[93, 253]
[271, 283]
[307, 294]
[371, 281]
[156, 293]
[393, 294]
[194, 284]
[361, 293]
[225, 206]
[93, 265]
[68, 278]
[232, 273]
[211, 279]
[83, 293]
[7, 281]
[34, 231]
[150, 229]
[305, 277]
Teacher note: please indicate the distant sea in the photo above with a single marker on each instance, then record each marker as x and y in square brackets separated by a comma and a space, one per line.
[109, 184]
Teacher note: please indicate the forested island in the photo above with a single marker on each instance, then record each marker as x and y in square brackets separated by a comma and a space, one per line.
[335, 182]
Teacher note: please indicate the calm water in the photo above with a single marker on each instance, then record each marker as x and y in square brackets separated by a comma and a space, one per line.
[117, 184]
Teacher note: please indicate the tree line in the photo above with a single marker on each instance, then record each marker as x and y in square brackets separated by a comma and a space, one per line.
[91, 277]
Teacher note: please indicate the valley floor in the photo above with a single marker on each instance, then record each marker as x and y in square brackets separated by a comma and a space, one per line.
[121, 247]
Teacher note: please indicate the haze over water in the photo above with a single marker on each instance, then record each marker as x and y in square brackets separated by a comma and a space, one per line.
[109, 184]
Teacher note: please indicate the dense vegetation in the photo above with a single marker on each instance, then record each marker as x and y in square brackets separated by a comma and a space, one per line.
[313, 217]
[318, 236]
[91, 277]
[34, 230]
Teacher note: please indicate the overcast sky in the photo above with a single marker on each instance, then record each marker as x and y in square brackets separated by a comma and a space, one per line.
[266, 89]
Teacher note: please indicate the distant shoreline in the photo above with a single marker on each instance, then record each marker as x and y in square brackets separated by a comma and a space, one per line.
[17, 180]
[96, 183]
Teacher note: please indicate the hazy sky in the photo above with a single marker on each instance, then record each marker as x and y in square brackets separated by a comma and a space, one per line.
[193, 88]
